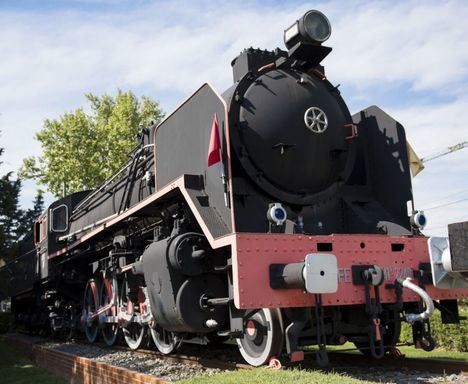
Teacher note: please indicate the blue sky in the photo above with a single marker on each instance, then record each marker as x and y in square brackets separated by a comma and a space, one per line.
[408, 57]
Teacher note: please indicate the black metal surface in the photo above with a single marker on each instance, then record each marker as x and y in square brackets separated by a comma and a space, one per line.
[328, 183]
[387, 165]
[188, 303]
[272, 113]
[286, 276]
[449, 311]
[216, 225]
[359, 274]
[187, 254]
[251, 60]
[182, 143]
[20, 274]
[312, 53]
[425, 273]
[177, 279]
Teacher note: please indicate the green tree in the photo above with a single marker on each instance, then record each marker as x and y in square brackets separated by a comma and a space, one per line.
[29, 216]
[10, 214]
[81, 150]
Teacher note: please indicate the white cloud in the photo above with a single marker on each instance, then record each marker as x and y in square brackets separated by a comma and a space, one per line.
[166, 49]
[423, 44]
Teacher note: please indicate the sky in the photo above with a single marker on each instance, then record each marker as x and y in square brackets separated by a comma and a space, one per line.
[408, 57]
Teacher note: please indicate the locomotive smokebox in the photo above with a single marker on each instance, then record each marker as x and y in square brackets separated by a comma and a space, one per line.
[289, 133]
[290, 124]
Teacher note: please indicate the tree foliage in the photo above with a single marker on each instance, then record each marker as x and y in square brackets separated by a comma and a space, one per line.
[14, 221]
[10, 215]
[81, 150]
[29, 216]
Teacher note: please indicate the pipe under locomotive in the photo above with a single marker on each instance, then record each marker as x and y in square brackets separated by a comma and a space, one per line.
[268, 214]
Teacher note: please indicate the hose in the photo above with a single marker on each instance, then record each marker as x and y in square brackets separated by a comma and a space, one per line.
[413, 317]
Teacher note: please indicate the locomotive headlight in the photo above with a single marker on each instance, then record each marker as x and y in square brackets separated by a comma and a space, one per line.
[418, 219]
[316, 25]
[312, 27]
[276, 214]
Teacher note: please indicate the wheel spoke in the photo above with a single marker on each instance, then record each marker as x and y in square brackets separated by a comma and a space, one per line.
[90, 303]
[134, 333]
[109, 292]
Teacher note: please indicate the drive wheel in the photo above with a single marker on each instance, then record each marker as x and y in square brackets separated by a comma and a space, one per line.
[263, 337]
[109, 292]
[135, 332]
[166, 341]
[134, 335]
[91, 305]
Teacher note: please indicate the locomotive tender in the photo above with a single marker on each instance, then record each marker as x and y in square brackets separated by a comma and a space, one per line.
[268, 214]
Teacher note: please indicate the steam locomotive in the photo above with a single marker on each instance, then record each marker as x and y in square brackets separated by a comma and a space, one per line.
[268, 214]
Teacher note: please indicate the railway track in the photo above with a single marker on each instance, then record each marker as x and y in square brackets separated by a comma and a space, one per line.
[192, 359]
[442, 366]
[337, 359]
[47, 355]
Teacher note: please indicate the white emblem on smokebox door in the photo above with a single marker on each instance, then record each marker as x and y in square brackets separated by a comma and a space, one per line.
[316, 120]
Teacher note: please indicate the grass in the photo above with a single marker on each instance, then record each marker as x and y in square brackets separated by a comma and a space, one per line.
[450, 337]
[410, 351]
[435, 354]
[15, 369]
[301, 376]
[268, 376]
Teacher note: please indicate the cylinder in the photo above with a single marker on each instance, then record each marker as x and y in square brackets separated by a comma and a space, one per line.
[287, 276]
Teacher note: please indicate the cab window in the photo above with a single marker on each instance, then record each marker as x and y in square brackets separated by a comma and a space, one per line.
[59, 218]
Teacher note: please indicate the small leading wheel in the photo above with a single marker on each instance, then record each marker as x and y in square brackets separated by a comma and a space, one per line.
[263, 336]
[109, 292]
[135, 332]
[91, 305]
[166, 341]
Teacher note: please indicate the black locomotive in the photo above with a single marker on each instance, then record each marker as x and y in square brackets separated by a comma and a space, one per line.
[266, 214]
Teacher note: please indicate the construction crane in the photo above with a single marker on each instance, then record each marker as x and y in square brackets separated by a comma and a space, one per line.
[444, 152]
[417, 164]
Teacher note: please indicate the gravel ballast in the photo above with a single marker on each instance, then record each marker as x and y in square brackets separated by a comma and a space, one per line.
[171, 370]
